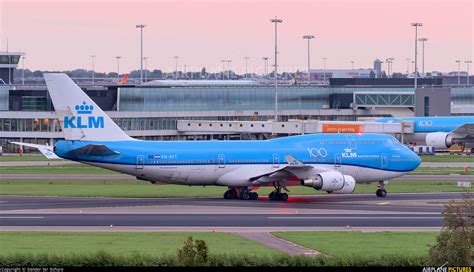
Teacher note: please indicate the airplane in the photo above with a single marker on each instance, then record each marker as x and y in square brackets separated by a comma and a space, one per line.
[440, 131]
[328, 162]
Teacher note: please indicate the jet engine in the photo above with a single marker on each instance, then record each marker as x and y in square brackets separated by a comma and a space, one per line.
[331, 181]
[439, 139]
[349, 186]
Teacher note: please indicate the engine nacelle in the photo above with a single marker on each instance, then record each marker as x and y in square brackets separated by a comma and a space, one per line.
[439, 139]
[349, 186]
[326, 181]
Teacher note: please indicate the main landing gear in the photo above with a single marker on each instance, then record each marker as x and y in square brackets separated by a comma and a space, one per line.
[243, 194]
[381, 192]
[277, 195]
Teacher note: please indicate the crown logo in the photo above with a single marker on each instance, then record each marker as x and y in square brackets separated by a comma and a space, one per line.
[84, 109]
[347, 150]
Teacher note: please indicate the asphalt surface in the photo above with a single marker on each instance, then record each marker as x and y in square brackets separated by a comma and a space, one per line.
[395, 210]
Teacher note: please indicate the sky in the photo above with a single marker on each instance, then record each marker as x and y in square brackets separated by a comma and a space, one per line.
[62, 35]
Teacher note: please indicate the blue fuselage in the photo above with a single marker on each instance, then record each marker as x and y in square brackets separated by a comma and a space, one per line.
[432, 124]
[366, 151]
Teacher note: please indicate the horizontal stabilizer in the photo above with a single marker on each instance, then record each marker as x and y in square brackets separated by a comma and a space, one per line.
[94, 150]
[46, 150]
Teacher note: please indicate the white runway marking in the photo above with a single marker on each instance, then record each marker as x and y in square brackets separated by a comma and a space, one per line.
[21, 217]
[354, 217]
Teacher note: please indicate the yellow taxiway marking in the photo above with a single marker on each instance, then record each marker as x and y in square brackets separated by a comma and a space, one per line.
[383, 203]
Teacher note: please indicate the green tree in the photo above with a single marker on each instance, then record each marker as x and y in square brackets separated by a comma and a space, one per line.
[455, 242]
[193, 253]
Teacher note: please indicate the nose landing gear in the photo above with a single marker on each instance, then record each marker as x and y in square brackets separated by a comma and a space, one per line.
[381, 192]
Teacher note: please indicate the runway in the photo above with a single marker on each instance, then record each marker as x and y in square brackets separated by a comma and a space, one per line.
[309, 212]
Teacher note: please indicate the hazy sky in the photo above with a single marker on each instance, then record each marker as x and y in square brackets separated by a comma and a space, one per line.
[61, 35]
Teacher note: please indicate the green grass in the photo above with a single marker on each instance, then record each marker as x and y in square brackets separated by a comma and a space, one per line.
[340, 244]
[441, 171]
[155, 243]
[73, 168]
[25, 158]
[447, 158]
[105, 188]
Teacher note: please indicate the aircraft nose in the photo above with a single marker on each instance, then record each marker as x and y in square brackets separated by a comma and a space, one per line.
[413, 160]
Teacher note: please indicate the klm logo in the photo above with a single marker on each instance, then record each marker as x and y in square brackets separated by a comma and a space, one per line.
[348, 153]
[83, 118]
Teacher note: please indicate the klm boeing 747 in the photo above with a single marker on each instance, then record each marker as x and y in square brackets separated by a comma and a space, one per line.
[328, 162]
[440, 131]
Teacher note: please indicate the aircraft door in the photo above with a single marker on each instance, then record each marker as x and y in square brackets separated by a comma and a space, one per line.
[276, 161]
[221, 160]
[383, 160]
[140, 162]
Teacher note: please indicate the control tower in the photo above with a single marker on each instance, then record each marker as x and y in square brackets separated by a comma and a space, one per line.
[8, 63]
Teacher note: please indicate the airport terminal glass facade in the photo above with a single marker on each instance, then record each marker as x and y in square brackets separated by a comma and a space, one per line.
[231, 98]
[4, 93]
[462, 95]
[29, 124]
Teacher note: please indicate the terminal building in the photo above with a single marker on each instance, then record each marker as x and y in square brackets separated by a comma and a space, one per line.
[163, 112]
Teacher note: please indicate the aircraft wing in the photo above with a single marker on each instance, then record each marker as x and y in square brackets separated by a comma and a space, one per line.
[294, 169]
[466, 130]
[46, 150]
[94, 150]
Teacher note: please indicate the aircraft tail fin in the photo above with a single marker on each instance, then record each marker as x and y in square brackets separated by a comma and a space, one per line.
[78, 114]
[124, 79]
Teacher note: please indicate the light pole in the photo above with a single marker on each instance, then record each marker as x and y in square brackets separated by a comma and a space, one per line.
[246, 66]
[265, 66]
[228, 68]
[423, 40]
[309, 37]
[408, 66]
[223, 68]
[176, 67]
[118, 68]
[389, 65]
[93, 57]
[459, 71]
[324, 69]
[146, 68]
[416, 25]
[141, 27]
[23, 71]
[352, 65]
[467, 63]
[276, 21]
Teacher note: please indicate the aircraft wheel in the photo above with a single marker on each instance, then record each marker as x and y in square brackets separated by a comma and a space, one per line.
[253, 196]
[381, 192]
[245, 195]
[271, 196]
[227, 195]
[234, 195]
[283, 197]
